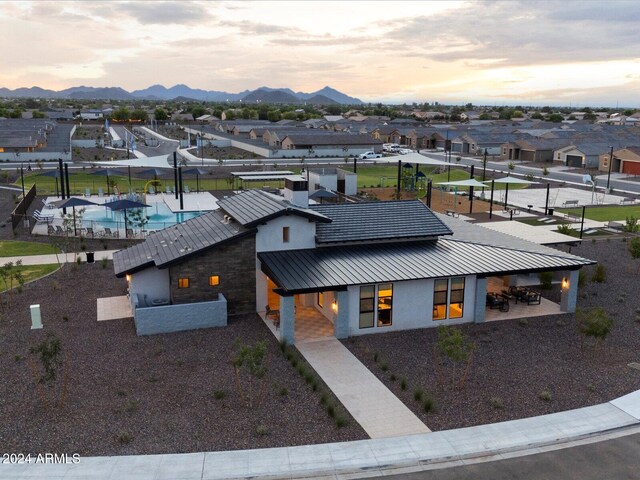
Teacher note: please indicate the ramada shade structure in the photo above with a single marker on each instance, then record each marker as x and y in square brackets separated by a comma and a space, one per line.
[73, 202]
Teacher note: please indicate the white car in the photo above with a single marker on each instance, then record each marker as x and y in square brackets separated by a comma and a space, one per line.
[368, 155]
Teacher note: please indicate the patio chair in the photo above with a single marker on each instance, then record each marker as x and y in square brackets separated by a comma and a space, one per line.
[495, 301]
[168, 189]
[274, 315]
[59, 230]
[109, 233]
[50, 230]
[90, 232]
[87, 192]
[151, 190]
[100, 193]
[186, 189]
[129, 233]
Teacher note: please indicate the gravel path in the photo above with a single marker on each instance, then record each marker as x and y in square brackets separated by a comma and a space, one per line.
[156, 391]
[513, 363]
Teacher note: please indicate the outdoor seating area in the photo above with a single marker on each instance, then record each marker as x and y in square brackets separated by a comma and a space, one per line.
[525, 295]
[497, 301]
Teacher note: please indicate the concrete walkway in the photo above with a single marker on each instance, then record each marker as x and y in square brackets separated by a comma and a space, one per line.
[52, 258]
[364, 458]
[371, 404]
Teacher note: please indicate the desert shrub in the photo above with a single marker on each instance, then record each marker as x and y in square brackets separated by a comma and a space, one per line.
[403, 383]
[600, 274]
[594, 323]
[497, 403]
[219, 394]
[582, 278]
[250, 366]
[124, 438]
[417, 394]
[131, 406]
[262, 430]
[545, 395]
[429, 404]
[457, 351]
[384, 367]
[341, 421]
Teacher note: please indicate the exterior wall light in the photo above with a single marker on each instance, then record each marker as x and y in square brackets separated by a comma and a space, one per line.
[565, 283]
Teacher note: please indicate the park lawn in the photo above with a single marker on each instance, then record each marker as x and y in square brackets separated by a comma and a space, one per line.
[82, 180]
[13, 248]
[606, 213]
[30, 273]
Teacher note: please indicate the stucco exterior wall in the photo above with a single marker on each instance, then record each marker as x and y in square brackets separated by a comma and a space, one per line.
[302, 234]
[412, 307]
[152, 282]
[178, 318]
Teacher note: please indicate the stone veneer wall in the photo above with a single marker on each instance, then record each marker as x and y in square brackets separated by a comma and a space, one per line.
[234, 263]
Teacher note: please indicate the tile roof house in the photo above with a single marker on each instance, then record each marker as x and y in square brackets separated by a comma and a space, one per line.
[359, 267]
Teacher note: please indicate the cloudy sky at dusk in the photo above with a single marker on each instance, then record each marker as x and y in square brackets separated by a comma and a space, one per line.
[501, 52]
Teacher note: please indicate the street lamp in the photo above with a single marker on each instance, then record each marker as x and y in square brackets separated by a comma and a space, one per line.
[610, 163]
[201, 147]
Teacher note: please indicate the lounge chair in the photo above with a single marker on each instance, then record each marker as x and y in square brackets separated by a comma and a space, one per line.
[90, 232]
[109, 233]
[51, 230]
[186, 189]
[129, 233]
[87, 192]
[151, 190]
[168, 189]
[42, 217]
[100, 193]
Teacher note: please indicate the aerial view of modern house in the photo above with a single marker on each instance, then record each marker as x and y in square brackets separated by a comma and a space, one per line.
[360, 267]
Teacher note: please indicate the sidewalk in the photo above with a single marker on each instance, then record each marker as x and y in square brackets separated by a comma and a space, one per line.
[360, 458]
[52, 258]
[367, 399]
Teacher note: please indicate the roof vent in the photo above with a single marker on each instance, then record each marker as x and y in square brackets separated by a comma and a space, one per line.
[226, 219]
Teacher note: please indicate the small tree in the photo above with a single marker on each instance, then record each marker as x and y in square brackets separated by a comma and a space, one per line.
[594, 323]
[457, 349]
[250, 365]
[49, 356]
[545, 171]
[634, 249]
[631, 225]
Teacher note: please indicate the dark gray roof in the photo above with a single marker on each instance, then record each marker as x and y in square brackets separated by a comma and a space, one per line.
[335, 139]
[253, 207]
[174, 243]
[330, 268]
[367, 221]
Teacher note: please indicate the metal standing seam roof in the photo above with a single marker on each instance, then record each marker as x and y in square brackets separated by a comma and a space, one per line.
[253, 207]
[329, 268]
[176, 242]
[370, 221]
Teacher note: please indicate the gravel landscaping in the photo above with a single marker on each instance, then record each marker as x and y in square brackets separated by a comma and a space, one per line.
[144, 395]
[516, 361]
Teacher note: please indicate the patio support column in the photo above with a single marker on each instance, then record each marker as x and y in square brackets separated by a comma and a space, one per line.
[481, 300]
[341, 323]
[287, 319]
[569, 291]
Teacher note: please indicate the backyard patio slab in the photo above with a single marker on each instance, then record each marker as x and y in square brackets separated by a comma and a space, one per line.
[113, 308]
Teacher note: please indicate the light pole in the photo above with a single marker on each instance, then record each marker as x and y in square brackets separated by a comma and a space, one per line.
[610, 163]
[201, 147]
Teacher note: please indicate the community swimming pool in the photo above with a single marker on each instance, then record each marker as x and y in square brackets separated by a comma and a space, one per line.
[158, 216]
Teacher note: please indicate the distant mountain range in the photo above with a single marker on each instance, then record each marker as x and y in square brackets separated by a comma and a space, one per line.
[325, 96]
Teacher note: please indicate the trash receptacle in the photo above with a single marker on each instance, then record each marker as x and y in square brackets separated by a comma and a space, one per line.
[549, 211]
[90, 257]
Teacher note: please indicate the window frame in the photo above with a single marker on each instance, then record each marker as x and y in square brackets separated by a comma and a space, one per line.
[286, 234]
[217, 280]
[183, 282]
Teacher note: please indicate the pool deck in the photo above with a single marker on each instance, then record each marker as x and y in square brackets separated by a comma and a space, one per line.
[192, 202]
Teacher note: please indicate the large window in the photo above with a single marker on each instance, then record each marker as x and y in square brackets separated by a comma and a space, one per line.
[448, 298]
[367, 305]
[372, 310]
[385, 304]
[456, 300]
[183, 283]
[440, 299]
[285, 234]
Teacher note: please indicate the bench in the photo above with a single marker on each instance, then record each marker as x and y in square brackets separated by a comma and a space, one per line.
[570, 203]
[627, 200]
[615, 225]
[452, 213]
[42, 217]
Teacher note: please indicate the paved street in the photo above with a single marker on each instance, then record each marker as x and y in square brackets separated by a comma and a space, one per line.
[615, 459]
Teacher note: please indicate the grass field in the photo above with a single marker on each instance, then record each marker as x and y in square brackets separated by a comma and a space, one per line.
[13, 248]
[368, 176]
[603, 214]
[30, 273]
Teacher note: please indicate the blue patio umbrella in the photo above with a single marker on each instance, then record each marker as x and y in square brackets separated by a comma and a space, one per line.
[107, 172]
[73, 202]
[197, 172]
[124, 205]
[154, 172]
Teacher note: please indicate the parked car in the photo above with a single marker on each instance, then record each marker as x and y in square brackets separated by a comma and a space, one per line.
[368, 155]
